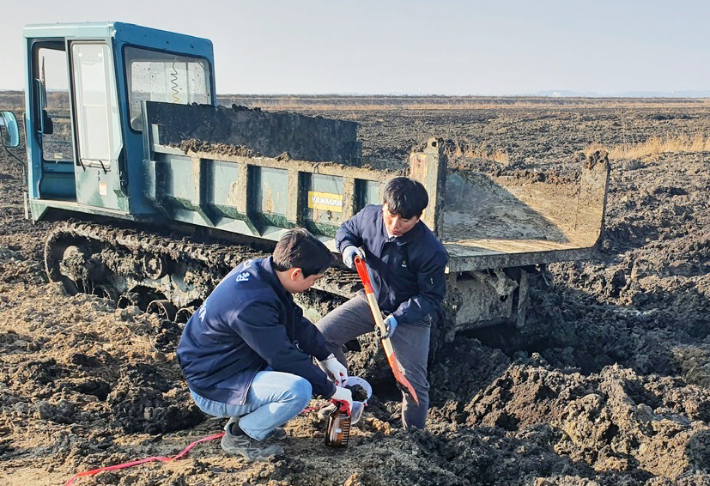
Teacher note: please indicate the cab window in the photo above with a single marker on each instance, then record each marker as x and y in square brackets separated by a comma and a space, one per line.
[97, 115]
[160, 76]
[51, 102]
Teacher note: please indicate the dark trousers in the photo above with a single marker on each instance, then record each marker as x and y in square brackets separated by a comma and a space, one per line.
[410, 343]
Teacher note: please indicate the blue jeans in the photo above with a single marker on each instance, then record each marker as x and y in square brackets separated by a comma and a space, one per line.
[273, 399]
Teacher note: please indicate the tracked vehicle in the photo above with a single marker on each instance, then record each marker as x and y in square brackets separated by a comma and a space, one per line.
[159, 191]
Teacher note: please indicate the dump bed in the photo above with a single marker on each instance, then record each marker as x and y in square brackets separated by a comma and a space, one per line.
[258, 174]
[522, 219]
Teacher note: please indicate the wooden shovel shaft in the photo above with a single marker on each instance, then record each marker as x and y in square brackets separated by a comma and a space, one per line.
[380, 323]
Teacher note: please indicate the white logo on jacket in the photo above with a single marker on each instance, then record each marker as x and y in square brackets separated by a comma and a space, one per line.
[242, 277]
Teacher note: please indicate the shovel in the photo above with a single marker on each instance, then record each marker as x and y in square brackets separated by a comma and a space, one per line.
[402, 381]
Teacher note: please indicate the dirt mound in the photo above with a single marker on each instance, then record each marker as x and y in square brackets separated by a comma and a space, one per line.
[614, 421]
[193, 145]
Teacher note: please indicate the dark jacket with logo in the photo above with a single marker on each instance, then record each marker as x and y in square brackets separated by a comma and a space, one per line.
[407, 272]
[248, 323]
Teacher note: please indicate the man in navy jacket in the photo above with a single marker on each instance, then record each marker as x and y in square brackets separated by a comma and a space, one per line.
[407, 268]
[247, 351]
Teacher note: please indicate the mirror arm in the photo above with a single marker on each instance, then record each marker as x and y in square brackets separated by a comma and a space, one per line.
[20, 162]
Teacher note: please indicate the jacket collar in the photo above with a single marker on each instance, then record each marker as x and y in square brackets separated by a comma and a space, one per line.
[269, 276]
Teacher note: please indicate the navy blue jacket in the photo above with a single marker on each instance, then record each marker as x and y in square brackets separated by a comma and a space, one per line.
[248, 323]
[407, 272]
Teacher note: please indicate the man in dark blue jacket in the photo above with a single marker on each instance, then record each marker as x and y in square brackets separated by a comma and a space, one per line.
[247, 351]
[407, 268]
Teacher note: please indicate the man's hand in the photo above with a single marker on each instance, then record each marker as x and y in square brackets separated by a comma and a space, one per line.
[343, 395]
[390, 326]
[334, 369]
[349, 254]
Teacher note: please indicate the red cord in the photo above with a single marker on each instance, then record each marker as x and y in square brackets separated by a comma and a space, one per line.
[159, 458]
[141, 461]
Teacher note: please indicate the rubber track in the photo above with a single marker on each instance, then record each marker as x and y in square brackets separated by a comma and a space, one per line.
[217, 259]
[213, 256]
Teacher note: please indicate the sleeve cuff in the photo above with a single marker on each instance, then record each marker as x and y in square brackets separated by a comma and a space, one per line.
[343, 245]
[322, 355]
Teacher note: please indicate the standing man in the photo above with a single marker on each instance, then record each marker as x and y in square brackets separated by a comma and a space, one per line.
[406, 264]
[247, 351]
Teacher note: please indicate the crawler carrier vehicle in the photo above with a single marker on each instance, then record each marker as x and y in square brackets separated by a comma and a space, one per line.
[159, 191]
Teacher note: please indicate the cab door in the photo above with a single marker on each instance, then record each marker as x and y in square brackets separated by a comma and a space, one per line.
[97, 118]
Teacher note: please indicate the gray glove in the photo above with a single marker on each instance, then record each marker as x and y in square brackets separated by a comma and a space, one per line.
[349, 254]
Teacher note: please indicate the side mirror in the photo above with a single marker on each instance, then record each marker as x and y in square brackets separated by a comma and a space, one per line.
[9, 133]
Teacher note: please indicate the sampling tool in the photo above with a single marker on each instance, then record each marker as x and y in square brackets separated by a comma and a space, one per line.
[342, 417]
[381, 330]
[337, 434]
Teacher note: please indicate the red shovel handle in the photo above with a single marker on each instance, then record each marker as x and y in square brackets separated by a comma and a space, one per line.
[380, 327]
[364, 276]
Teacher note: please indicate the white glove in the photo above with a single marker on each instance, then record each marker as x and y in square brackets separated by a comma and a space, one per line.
[334, 369]
[349, 254]
[343, 395]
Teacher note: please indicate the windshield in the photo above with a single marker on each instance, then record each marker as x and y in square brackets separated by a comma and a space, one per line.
[159, 76]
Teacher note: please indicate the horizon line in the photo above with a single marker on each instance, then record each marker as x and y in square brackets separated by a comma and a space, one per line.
[691, 94]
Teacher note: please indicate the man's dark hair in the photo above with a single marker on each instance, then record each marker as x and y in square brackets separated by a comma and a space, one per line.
[298, 248]
[406, 197]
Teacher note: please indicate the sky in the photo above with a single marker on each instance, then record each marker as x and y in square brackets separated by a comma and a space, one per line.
[444, 47]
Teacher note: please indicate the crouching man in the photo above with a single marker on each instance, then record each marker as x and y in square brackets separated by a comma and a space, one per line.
[247, 351]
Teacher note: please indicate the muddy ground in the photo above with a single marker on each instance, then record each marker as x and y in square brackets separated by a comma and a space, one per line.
[611, 385]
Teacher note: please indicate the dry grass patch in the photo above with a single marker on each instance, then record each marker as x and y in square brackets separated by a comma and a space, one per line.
[655, 146]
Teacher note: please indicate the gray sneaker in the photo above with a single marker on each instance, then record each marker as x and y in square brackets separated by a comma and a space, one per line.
[250, 449]
[277, 434]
